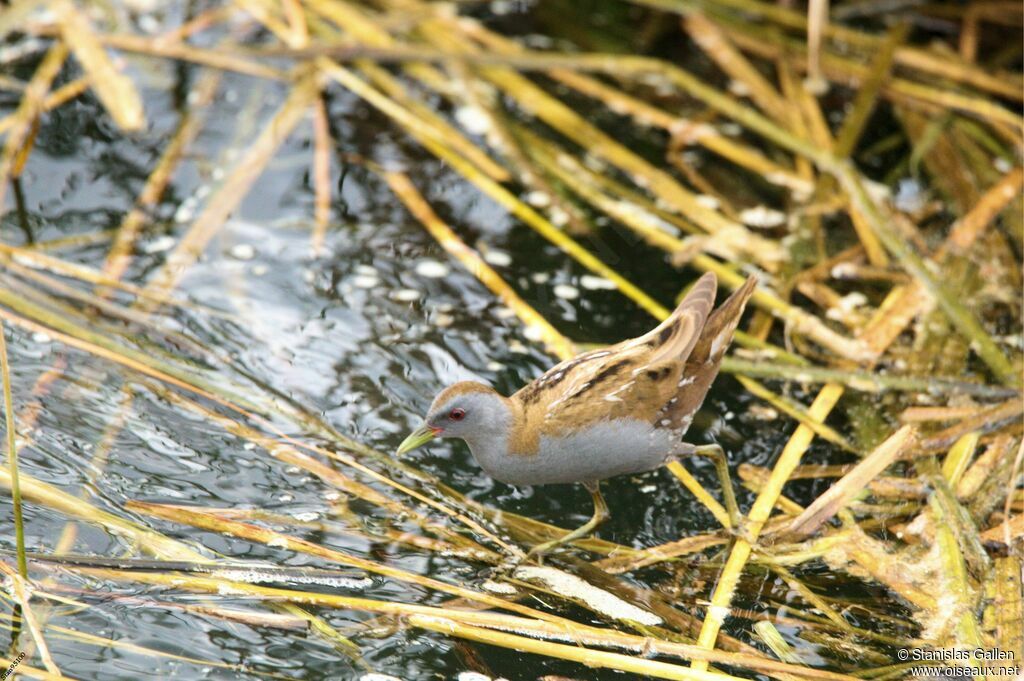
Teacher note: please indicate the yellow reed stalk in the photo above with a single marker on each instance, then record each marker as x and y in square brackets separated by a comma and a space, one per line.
[23, 669]
[954, 574]
[223, 60]
[591, 658]
[754, 478]
[716, 45]
[984, 465]
[357, 23]
[26, 117]
[60, 96]
[958, 458]
[249, 167]
[501, 195]
[119, 255]
[968, 228]
[582, 634]
[199, 21]
[1008, 609]
[254, 533]
[115, 91]
[535, 324]
[795, 411]
[296, 17]
[12, 455]
[867, 95]
[702, 495]
[647, 114]
[758, 516]
[853, 483]
[290, 455]
[537, 102]
[322, 144]
[616, 564]
[64, 633]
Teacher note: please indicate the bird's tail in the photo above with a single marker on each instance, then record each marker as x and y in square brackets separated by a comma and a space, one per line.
[718, 331]
[675, 337]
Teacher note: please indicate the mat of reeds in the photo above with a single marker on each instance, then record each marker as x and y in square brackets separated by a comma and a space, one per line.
[243, 243]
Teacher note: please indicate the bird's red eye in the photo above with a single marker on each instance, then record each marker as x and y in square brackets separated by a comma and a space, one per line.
[457, 414]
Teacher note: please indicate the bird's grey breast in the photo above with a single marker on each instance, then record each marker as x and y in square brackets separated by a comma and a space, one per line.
[595, 452]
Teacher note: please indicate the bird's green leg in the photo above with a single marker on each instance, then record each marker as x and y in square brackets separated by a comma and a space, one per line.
[717, 456]
[600, 515]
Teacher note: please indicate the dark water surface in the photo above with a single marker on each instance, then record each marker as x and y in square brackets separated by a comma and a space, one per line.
[362, 335]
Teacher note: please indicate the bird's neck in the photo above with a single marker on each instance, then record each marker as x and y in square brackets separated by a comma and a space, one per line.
[491, 445]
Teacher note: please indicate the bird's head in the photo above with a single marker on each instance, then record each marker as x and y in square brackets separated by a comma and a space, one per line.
[468, 410]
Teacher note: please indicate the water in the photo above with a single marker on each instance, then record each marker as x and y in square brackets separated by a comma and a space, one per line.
[362, 336]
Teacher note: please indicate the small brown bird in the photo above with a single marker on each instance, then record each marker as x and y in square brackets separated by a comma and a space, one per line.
[618, 410]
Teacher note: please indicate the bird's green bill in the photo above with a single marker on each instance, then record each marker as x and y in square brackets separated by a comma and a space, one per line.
[417, 438]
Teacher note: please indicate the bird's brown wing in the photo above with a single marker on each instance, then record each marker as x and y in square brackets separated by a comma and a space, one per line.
[635, 378]
[705, 358]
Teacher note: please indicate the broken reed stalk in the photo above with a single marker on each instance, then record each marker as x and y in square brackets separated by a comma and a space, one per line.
[19, 140]
[114, 89]
[851, 484]
[128, 232]
[321, 174]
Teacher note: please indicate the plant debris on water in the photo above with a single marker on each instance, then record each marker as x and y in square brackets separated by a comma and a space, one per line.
[242, 242]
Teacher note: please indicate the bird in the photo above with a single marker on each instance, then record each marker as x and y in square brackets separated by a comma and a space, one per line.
[617, 410]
